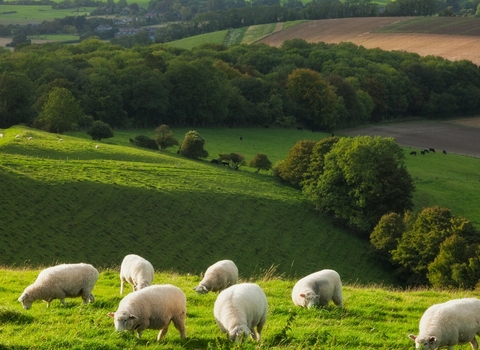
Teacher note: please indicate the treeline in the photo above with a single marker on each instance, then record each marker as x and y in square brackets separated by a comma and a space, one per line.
[314, 86]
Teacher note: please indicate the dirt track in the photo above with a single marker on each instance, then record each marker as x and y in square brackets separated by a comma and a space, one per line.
[459, 136]
[359, 31]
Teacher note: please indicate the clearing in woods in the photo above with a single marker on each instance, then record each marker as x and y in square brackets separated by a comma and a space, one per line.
[425, 36]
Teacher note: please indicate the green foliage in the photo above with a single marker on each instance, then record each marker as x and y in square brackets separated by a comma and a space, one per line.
[315, 98]
[100, 130]
[164, 137]
[261, 162]
[364, 178]
[421, 245]
[192, 146]
[145, 142]
[235, 160]
[386, 234]
[16, 97]
[295, 165]
[61, 111]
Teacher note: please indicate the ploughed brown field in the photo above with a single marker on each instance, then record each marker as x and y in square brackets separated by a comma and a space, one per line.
[459, 136]
[425, 36]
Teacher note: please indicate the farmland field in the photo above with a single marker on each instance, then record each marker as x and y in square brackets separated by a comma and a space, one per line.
[24, 14]
[425, 36]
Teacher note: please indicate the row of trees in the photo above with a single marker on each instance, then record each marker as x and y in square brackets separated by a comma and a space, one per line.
[317, 86]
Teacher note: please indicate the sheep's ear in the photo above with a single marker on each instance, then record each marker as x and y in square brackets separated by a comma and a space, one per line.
[412, 336]
[302, 295]
[133, 317]
[111, 314]
[432, 340]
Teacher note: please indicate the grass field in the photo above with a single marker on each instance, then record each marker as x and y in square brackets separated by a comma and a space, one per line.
[23, 14]
[373, 317]
[193, 41]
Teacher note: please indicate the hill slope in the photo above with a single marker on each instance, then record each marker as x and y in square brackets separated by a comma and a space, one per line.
[69, 201]
[425, 36]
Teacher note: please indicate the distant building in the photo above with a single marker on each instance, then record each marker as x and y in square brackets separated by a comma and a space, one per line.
[104, 28]
[128, 31]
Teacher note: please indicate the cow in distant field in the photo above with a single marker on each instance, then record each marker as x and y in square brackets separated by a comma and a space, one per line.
[425, 150]
[413, 153]
[422, 153]
[444, 152]
[432, 150]
[215, 161]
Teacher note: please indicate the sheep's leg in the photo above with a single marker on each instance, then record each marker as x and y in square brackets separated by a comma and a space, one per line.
[180, 326]
[121, 286]
[63, 302]
[253, 334]
[162, 333]
[259, 331]
[139, 333]
[474, 343]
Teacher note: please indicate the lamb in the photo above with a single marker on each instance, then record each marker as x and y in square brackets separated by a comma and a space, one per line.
[447, 324]
[219, 276]
[153, 307]
[60, 282]
[317, 289]
[137, 271]
[239, 309]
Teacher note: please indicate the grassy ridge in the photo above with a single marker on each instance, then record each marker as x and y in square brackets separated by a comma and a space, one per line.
[36, 13]
[372, 317]
[101, 204]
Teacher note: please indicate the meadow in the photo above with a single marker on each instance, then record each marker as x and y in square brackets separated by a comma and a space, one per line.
[24, 14]
[373, 317]
[68, 201]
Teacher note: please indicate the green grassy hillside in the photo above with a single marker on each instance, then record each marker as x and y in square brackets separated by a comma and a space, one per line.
[67, 201]
[372, 318]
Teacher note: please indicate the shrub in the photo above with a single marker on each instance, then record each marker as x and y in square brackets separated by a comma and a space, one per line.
[145, 142]
[192, 146]
[100, 130]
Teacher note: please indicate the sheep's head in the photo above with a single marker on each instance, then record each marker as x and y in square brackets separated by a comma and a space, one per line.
[201, 289]
[311, 299]
[425, 342]
[239, 333]
[124, 321]
[26, 301]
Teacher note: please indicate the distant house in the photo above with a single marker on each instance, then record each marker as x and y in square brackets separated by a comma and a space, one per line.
[104, 28]
[128, 31]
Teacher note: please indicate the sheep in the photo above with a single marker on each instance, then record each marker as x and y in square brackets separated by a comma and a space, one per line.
[240, 309]
[219, 276]
[153, 307]
[60, 140]
[17, 136]
[317, 289]
[137, 271]
[97, 146]
[1, 135]
[60, 282]
[448, 324]
[30, 138]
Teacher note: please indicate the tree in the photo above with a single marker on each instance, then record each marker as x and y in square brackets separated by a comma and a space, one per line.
[144, 141]
[364, 178]
[292, 168]
[315, 99]
[100, 130]
[61, 111]
[16, 97]
[420, 245]
[261, 162]
[164, 137]
[386, 234]
[192, 146]
[235, 160]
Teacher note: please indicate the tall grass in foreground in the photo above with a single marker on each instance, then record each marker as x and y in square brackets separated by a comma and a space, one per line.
[372, 317]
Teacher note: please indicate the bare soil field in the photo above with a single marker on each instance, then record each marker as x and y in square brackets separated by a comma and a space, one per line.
[360, 31]
[460, 136]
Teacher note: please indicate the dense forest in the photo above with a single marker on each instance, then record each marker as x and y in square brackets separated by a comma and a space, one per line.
[320, 86]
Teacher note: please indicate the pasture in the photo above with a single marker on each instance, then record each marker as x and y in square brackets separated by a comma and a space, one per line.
[25, 14]
[373, 317]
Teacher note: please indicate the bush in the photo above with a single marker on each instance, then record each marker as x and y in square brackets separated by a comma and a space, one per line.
[192, 146]
[100, 130]
[261, 162]
[144, 142]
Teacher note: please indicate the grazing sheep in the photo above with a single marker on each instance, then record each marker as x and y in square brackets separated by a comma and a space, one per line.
[17, 136]
[317, 289]
[60, 140]
[239, 309]
[1, 135]
[219, 276]
[137, 271]
[444, 325]
[97, 146]
[60, 282]
[153, 307]
[30, 138]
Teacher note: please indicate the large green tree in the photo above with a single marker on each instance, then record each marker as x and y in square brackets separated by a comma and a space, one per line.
[364, 178]
[61, 111]
[292, 168]
[16, 98]
[315, 99]
[192, 146]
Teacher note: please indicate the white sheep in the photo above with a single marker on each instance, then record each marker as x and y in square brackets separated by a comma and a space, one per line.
[445, 325]
[30, 138]
[137, 271]
[17, 136]
[1, 135]
[152, 307]
[240, 309]
[97, 146]
[60, 282]
[219, 276]
[317, 289]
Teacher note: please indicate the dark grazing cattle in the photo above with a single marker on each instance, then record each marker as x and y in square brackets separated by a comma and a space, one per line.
[425, 150]
[444, 152]
[413, 153]
[215, 161]
[432, 150]
[422, 153]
